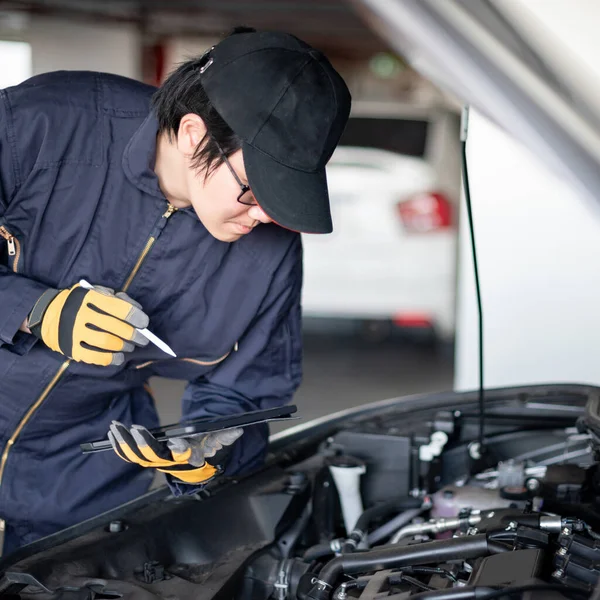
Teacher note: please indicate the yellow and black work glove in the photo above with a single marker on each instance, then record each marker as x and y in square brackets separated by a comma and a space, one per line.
[92, 326]
[185, 459]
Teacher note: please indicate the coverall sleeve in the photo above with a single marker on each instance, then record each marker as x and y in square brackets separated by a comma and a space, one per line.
[263, 373]
[17, 294]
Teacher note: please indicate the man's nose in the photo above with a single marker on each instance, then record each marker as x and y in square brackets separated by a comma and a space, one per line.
[258, 214]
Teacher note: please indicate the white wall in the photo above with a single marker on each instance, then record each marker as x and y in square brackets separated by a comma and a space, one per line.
[72, 45]
[538, 244]
[538, 251]
[15, 58]
[180, 49]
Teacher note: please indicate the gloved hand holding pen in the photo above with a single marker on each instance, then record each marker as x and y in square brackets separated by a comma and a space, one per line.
[194, 459]
[94, 326]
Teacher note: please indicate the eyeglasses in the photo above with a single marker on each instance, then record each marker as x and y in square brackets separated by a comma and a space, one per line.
[245, 196]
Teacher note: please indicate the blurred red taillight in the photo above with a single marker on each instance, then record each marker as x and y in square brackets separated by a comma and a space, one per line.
[426, 212]
[413, 320]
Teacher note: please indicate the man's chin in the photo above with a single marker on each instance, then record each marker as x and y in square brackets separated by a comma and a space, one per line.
[226, 236]
[229, 232]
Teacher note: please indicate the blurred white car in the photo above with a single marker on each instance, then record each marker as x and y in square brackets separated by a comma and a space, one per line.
[391, 258]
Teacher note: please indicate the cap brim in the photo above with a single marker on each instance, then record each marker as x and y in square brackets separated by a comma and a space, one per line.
[294, 199]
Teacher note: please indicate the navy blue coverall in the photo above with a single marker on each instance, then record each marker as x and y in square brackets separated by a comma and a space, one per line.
[79, 199]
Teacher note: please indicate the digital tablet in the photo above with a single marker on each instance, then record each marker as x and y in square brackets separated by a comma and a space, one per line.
[206, 425]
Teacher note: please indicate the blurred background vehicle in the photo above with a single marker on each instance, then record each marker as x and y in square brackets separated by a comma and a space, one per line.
[390, 261]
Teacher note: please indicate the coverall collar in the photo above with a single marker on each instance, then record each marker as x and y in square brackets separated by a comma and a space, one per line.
[139, 158]
[140, 155]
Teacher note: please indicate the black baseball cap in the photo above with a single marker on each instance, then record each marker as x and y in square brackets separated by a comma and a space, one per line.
[289, 106]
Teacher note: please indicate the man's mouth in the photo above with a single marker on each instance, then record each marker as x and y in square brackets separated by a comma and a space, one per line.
[243, 229]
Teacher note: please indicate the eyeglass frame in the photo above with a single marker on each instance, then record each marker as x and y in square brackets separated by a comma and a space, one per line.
[244, 187]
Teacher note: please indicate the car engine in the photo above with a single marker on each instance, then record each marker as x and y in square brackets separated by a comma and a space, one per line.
[399, 501]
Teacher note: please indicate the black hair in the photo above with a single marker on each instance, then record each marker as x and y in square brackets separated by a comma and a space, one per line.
[182, 93]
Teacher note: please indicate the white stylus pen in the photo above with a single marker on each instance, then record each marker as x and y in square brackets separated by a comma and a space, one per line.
[148, 334]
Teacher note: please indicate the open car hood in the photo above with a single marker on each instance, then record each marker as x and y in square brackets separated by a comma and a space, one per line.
[478, 51]
[434, 520]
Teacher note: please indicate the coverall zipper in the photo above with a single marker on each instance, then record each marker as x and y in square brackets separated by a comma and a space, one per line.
[14, 247]
[153, 237]
[65, 365]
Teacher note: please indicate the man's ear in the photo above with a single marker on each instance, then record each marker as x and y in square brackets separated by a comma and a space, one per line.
[190, 133]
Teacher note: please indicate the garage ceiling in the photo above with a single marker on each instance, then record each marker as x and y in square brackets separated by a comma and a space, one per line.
[331, 25]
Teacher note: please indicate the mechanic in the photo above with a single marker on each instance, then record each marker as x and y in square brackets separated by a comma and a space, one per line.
[182, 206]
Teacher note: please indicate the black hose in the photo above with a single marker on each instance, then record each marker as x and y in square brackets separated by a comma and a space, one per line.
[378, 511]
[362, 526]
[496, 547]
[318, 551]
[386, 508]
[459, 593]
[438, 551]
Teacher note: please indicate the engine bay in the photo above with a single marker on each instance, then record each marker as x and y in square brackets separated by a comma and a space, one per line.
[397, 501]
